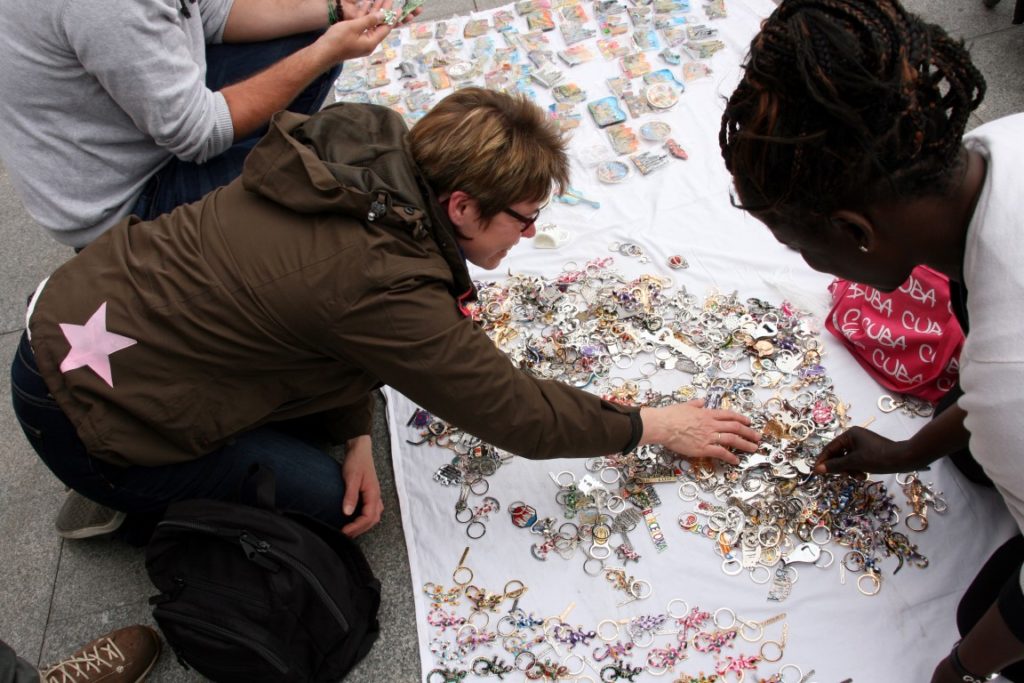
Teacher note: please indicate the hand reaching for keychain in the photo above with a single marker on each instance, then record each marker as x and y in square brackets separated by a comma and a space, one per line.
[694, 431]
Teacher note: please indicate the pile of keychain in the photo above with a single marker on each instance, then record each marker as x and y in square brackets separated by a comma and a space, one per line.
[768, 518]
[479, 633]
[653, 48]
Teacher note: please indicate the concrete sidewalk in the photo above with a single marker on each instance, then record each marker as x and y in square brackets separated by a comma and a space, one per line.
[56, 595]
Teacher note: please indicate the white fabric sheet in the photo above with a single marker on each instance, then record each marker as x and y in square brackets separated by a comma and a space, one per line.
[898, 635]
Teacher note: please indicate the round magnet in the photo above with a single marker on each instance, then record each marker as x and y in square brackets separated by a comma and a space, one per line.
[655, 131]
[349, 83]
[459, 69]
[612, 172]
[662, 95]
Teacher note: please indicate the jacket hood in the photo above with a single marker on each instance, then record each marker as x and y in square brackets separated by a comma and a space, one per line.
[352, 159]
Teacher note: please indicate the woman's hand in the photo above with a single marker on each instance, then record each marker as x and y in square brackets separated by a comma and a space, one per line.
[858, 450]
[694, 431]
[361, 486]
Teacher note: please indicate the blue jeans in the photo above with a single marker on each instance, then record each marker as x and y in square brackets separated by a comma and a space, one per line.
[182, 182]
[308, 479]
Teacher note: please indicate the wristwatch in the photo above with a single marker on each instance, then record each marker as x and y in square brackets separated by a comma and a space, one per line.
[961, 671]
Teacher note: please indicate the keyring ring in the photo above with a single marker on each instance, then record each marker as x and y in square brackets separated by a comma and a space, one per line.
[466, 570]
[873, 579]
[773, 647]
[636, 589]
[601, 630]
[794, 667]
[732, 567]
[757, 578]
[685, 490]
[728, 611]
[686, 608]
[517, 591]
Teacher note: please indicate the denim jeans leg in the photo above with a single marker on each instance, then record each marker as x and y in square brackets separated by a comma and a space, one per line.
[182, 182]
[308, 479]
[50, 432]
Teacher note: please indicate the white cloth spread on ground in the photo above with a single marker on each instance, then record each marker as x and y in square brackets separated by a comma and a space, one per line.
[683, 208]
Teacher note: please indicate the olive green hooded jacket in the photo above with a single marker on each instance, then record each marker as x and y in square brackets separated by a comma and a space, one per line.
[325, 271]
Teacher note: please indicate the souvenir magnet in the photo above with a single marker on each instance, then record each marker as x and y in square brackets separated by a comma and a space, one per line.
[612, 172]
[577, 54]
[550, 236]
[698, 32]
[541, 21]
[715, 9]
[622, 139]
[406, 70]
[575, 32]
[645, 39]
[662, 96]
[663, 76]
[572, 197]
[672, 58]
[635, 65]
[570, 92]
[705, 49]
[475, 28]
[349, 82]
[674, 36]
[606, 111]
[503, 19]
[648, 162]
[675, 150]
[614, 25]
[655, 131]
[459, 70]
[695, 70]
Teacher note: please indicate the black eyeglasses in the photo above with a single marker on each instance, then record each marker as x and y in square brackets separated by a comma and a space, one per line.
[527, 221]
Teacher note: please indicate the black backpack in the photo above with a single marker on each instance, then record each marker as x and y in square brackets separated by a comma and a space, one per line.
[251, 594]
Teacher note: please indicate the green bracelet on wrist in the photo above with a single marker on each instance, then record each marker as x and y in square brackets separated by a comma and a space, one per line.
[333, 12]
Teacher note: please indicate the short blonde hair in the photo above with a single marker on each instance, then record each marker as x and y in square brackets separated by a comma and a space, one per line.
[498, 148]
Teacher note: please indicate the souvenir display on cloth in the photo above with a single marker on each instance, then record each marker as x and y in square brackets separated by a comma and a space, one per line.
[628, 537]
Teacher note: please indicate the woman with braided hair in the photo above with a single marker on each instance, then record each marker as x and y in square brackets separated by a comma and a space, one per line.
[846, 138]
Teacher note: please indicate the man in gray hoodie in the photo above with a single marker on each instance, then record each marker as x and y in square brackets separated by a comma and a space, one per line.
[115, 108]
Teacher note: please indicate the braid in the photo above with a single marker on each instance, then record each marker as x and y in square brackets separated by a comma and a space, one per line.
[845, 100]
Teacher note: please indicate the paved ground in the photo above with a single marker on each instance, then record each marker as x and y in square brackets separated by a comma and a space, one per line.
[55, 595]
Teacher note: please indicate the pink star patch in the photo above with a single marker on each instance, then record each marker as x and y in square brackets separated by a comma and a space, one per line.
[92, 344]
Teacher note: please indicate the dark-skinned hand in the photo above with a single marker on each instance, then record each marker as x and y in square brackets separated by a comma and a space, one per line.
[858, 450]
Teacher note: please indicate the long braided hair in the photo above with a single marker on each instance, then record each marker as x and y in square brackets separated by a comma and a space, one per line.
[846, 101]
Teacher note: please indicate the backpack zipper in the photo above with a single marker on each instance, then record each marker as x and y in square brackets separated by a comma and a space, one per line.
[262, 547]
[227, 634]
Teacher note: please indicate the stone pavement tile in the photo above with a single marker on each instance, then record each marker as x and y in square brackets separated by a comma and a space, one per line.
[31, 553]
[28, 256]
[482, 5]
[21, 470]
[965, 19]
[1000, 57]
[99, 574]
[442, 9]
[64, 636]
